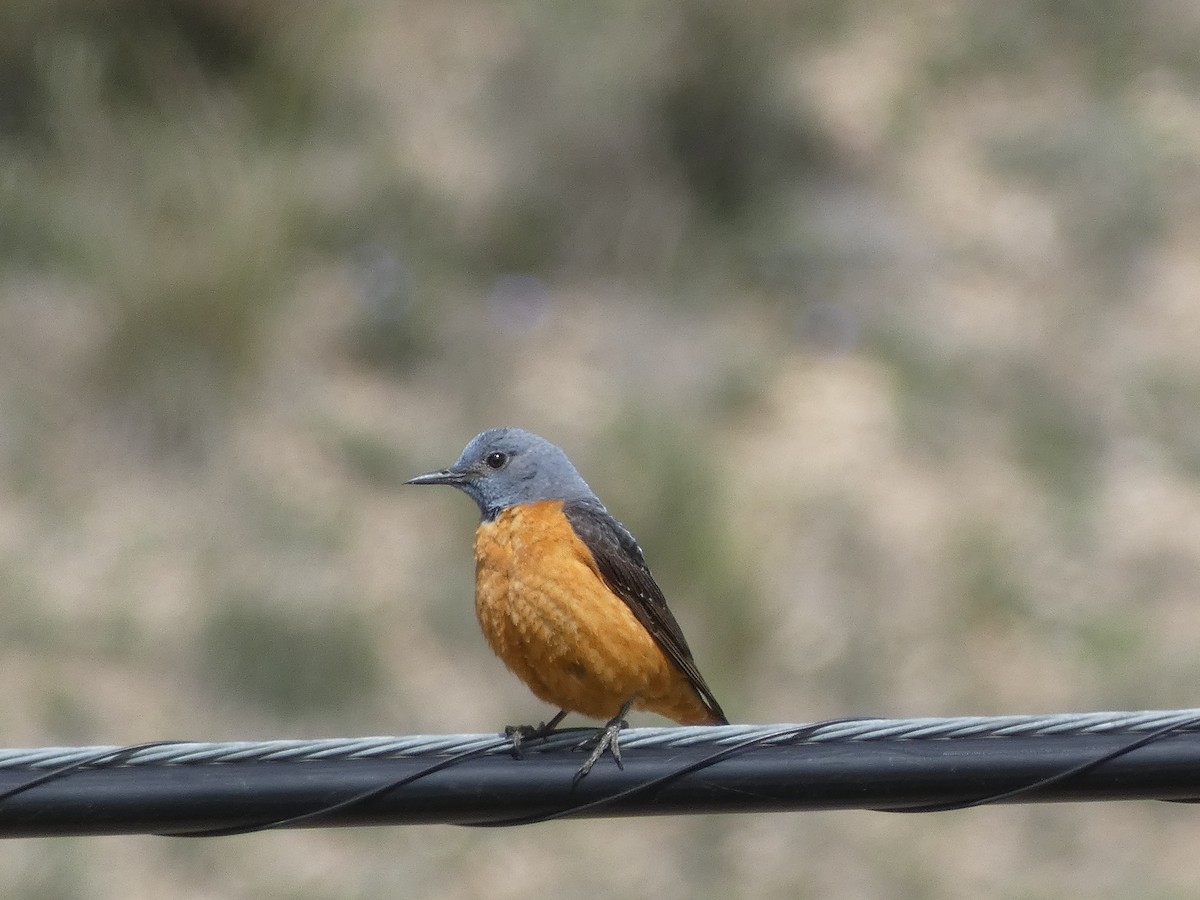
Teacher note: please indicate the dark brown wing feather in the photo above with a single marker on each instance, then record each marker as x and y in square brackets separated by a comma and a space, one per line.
[623, 567]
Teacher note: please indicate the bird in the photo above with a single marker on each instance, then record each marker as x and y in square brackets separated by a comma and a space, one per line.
[564, 597]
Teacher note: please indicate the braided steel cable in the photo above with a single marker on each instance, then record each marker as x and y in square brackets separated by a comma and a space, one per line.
[864, 729]
[897, 764]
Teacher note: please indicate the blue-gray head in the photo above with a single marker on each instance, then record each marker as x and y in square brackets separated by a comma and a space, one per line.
[503, 467]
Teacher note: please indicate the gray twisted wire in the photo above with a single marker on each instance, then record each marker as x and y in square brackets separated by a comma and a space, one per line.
[197, 753]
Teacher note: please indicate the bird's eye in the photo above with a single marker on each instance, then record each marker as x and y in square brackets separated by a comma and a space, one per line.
[496, 460]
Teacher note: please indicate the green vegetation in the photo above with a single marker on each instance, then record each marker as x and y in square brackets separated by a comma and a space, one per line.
[256, 651]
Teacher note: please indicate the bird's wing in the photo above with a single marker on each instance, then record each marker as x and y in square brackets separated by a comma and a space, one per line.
[621, 564]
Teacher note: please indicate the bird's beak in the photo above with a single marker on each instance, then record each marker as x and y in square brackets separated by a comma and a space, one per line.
[443, 476]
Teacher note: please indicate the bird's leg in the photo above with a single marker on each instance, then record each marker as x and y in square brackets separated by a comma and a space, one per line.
[606, 739]
[518, 734]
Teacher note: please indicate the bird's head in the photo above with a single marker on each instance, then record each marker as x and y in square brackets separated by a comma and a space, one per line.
[504, 467]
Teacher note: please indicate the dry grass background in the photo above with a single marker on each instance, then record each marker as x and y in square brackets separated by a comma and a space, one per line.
[878, 323]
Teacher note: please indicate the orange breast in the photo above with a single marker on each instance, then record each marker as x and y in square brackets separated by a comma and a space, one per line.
[548, 614]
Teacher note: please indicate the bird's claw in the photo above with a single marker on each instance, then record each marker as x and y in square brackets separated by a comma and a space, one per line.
[518, 734]
[606, 739]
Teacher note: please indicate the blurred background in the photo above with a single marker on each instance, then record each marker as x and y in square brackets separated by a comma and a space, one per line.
[878, 323]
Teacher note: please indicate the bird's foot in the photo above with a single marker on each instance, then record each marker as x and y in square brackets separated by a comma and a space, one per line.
[607, 738]
[519, 734]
